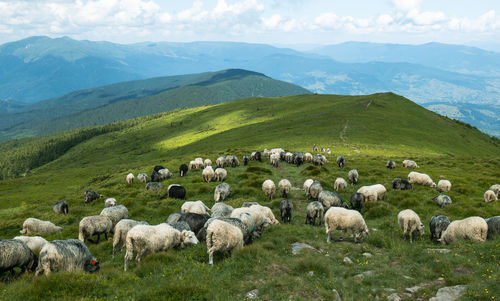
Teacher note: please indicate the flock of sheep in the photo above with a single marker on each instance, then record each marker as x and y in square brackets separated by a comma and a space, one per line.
[226, 228]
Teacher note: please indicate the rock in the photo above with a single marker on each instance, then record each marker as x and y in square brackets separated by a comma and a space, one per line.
[407, 277]
[441, 251]
[253, 294]
[298, 246]
[394, 297]
[335, 295]
[449, 293]
[347, 260]
[310, 273]
[413, 289]
[364, 274]
[416, 288]
[390, 290]
[366, 254]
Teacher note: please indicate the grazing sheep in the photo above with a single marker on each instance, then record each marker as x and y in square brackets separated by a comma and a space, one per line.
[261, 221]
[285, 186]
[195, 207]
[194, 220]
[338, 218]
[420, 178]
[157, 168]
[496, 189]
[35, 243]
[249, 222]
[237, 222]
[380, 191]
[319, 159]
[130, 178]
[490, 196]
[183, 169]
[474, 228]
[331, 199]
[307, 185]
[249, 204]
[208, 174]
[207, 162]
[110, 202]
[16, 254]
[400, 184]
[154, 186]
[94, 225]
[220, 174]
[176, 191]
[257, 156]
[390, 164]
[315, 190]
[286, 209]
[493, 226]
[369, 193]
[164, 174]
[314, 210]
[156, 177]
[266, 153]
[269, 188]
[442, 200]
[437, 225]
[275, 160]
[357, 201]
[115, 213]
[340, 184]
[409, 222]
[121, 230]
[221, 161]
[353, 176]
[267, 212]
[199, 163]
[341, 161]
[192, 164]
[34, 225]
[246, 159]
[145, 239]
[61, 207]
[172, 218]
[410, 164]
[142, 177]
[221, 192]
[232, 161]
[180, 226]
[444, 185]
[222, 236]
[221, 210]
[90, 196]
[308, 157]
[66, 255]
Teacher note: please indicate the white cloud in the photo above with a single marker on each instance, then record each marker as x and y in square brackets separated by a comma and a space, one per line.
[407, 5]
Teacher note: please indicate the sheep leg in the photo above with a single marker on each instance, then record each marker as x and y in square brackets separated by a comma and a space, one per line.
[343, 234]
[98, 238]
[328, 237]
[210, 257]
[106, 236]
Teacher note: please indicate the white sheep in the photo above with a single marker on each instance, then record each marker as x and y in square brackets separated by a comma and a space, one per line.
[220, 174]
[115, 213]
[339, 184]
[208, 174]
[490, 196]
[199, 163]
[109, 202]
[164, 174]
[220, 209]
[192, 164]
[145, 239]
[308, 157]
[353, 176]
[285, 186]
[444, 185]
[195, 207]
[315, 190]
[275, 160]
[420, 178]
[307, 185]
[207, 162]
[121, 230]
[369, 193]
[34, 225]
[130, 178]
[35, 243]
[221, 161]
[94, 225]
[269, 188]
[221, 192]
[410, 164]
[409, 222]
[142, 177]
[261, 221]
[496, 189]
[267, 212]
[222, 236]
[381, 190]
[474, 228]
[338, 218]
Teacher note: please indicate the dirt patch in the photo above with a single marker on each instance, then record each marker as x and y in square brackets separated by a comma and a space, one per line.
[463, 270]
[277, 270]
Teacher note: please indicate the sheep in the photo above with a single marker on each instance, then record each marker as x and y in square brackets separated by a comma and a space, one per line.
[180, 226]
[275, 160]
[121, 230]
[286, 209]
[246, 159]
[443, 185]
[164, 174]
[221, 210]
[490, 196]
[207, 162]
[314, 210]
[234, 162]
[154, 186]
[307, 185]
[331, 199]
[409, 222]
[380, 191]
[401, 184]
[195, 207]
[420, 178]
[357, 201]
[315, 190]
[66, 255]
[16, 254]
[308, 157]
[474, 228]
[221, 192]
[369, 193]
[183, 169]
[222, 236]
[267, 212]
[261, 221]
[156, 177]
[442, 200]
[496, 189]
[208, 174]
[340, 161]
[34, 225]
[319, 159]
[437, 225]
[221, 161]
[173, 217]
[61, 207]
[142, 177]
[220, 174]
[176, 191]
[353, 176]
[285, 186]
[115, 213]
[249, 222]
[130, 178]
[199, 163]
[257, 156]
[390, 164]
[237, 222]
[145, 239]
[266, 153]
[338, 218]
[157, 168]
[493, 226]
[410, 164]
[110, 202]
[90, 196]
[339, 184]
[249, 204]
[35, 243]
[94, 225]
[192, 164]
[194, 220]
[269, 188]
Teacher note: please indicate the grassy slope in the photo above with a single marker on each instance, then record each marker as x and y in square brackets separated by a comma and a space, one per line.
[387, 128]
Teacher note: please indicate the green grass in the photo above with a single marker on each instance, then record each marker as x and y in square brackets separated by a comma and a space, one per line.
[390, 127]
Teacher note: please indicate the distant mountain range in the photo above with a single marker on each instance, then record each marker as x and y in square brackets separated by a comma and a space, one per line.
[38, 68]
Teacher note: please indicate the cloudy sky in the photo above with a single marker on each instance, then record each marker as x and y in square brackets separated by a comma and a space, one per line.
[278, 22]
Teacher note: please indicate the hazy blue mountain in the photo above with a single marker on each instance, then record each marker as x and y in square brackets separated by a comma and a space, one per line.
[7, 106]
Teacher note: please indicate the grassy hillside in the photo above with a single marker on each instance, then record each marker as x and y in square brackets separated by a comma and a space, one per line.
[368, 130]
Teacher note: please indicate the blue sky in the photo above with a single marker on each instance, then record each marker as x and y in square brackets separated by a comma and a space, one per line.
[257, 21]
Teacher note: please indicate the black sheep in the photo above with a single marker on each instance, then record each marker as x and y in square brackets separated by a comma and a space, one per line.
[176, 191]
[357, 201]
[286, 209]
[183, 169]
